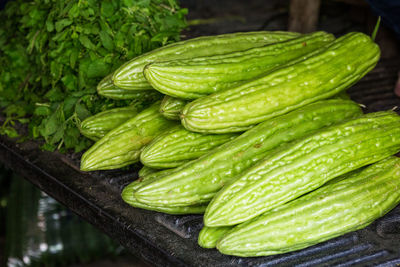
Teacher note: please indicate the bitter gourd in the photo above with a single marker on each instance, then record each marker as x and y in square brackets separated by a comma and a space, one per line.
[171, 107]
[197, 181]
[96, 126]
[128, 196]
[199, 76]
[178, 146]
[341, 206]
[107, 89]
[320, 75]
[122, 146]
[305, 165]
[130, 75]
[209, 236]
[144, 171]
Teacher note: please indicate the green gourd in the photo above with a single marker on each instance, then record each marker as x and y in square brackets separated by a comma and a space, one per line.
[128, 196]
[199, 76]
[322, 74]
[122, 146]
[343, 205]
[209, 236]
[107, 89]
[96, 126]
[130, 75]
[172, 107]
[305, 165]
[178, 146]
[144, 171]
[199, 180]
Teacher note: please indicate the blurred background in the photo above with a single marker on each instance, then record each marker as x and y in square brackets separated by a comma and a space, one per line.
[35, 230]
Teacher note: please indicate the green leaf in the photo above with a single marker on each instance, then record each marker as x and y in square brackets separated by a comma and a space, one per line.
[58, 135]
[107, 8]
[106, 40]
[55, 94]
[73, 57]
[72, 136]
[69, 105]
[85, 41]
[15, 110]
[61, 24]
[74, 11]
[9, 131]
[98, 68]
[50, 125]
[81, 111]
[56, 70]
[42, 111]
[70, 81]
[49, 25]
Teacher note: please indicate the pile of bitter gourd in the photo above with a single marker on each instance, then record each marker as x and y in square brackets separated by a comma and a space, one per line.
[256, 132]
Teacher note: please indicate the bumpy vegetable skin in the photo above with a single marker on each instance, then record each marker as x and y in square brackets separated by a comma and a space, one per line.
[199, 180]
[130, 75]
[178, 146]
[305, 165]
[199, 76]
[209, 236]
[144, 171]
[107, 89]
[97, 126]
[128, 196]
[172, 107]
[122, 146]
[320, 75]
[343, 205]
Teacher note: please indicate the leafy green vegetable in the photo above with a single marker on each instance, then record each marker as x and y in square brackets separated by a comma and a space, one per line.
[55, 52]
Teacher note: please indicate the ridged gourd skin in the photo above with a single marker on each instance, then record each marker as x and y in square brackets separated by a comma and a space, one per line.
[199, 76]
[107, 89]
[144, 171]
[97, 126]
[130, 75]
[171, 107]
[209, 236]
[178, 146]
[128, 196]
[320, 75]
[343, 205]
[199, 180]
[122, 146]
[305, 165]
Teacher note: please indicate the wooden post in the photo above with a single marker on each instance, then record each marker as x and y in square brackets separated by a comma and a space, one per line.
[303, 15]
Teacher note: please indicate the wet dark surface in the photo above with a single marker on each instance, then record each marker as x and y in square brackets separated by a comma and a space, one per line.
[166, 240]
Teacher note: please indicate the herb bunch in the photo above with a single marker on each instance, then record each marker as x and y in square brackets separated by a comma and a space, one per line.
[53, 53]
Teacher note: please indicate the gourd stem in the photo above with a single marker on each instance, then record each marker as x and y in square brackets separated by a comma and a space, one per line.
[376, 29]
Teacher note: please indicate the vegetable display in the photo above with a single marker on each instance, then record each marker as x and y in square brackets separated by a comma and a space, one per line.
[254, 129]
[199, 180]
[343, 205]
[130, 75]
[305, 165]
[122, 145]
[195, 77]
[320, 75]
